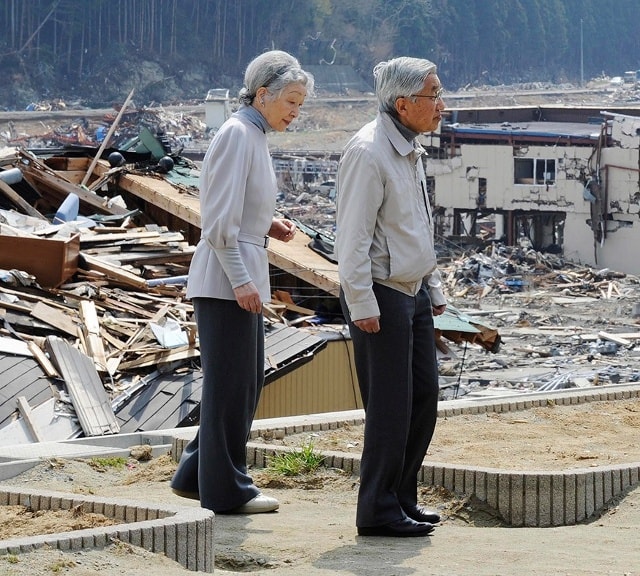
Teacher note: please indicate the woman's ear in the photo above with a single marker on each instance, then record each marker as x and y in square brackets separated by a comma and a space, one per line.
[260, 94]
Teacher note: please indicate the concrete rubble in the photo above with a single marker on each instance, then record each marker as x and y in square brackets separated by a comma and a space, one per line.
[561, 324]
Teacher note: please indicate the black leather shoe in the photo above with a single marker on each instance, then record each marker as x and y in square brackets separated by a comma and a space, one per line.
[420, 514]
[404, 528]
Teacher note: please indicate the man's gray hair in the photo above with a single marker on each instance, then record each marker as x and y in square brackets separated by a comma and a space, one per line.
[400, 77]
[274, 70]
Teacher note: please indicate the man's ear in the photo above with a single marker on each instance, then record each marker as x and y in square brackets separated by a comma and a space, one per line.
[401, 106]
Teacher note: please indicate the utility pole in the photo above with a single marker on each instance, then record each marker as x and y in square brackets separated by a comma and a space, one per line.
[581, 56]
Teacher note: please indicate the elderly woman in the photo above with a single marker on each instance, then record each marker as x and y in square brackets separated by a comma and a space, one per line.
[229, 282]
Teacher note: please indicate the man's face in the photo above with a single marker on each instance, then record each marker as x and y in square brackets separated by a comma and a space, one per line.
[421, 111]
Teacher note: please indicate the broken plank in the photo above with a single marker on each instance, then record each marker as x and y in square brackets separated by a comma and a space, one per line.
[55, 318]
[57, 188]
[113, 303]
[614, 338]
[161, 194]
[148, 258]
[115, 361]
[14, 346]
[532, 350]
[89, 238]
[87, 392]
[112, 272]
[112, 340]
[92, 335]
[19, 201]
[161, 358]
[15, 307]
[53, 425]
[573, 300]
[43, 360]
[25, 412]
[296, 258]
[284, 298]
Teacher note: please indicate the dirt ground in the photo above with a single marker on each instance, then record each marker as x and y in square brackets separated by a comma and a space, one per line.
[554, 437]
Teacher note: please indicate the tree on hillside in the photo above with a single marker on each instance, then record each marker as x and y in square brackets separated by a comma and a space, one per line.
[61, 44]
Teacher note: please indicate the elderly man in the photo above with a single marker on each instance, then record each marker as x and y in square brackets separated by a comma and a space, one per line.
[390, 291]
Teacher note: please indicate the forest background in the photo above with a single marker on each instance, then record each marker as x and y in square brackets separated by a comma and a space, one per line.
[91, 53]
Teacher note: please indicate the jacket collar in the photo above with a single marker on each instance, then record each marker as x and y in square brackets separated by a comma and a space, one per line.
[254, 116]
[403, 146]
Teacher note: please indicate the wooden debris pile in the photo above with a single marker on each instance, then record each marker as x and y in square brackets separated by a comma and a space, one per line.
[562, 325]
[97, 302]
[119, 316]
[177, 128]
[510, 269]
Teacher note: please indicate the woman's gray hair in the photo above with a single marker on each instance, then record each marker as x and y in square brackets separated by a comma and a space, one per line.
[400, 77]
[274, 70]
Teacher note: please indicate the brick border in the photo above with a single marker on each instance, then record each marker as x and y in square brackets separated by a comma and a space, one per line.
[183, 534]
[523, 498]
[534, 498]
[538, 498]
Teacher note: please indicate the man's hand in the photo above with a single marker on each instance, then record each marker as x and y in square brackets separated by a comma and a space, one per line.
[369, 325]
[438, 310]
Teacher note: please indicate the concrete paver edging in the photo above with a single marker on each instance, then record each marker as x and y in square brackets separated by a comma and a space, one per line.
[535, 498]
[184, 534]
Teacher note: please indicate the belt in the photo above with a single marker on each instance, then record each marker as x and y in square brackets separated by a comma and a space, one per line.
[251, 239]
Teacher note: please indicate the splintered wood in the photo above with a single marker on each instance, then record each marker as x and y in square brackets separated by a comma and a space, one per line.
[103, 317]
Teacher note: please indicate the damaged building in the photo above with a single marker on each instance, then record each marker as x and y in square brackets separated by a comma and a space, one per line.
[563, 180]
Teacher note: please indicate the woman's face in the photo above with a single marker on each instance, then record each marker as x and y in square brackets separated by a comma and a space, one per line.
[284, 109]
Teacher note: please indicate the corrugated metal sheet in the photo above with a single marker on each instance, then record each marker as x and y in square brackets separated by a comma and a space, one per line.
[286, 348]
[326, 384]
[165, 401]
[454, 320]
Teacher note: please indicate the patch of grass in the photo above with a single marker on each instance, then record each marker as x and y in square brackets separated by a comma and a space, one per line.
[61, 565]
[302, 461]
[101, 464]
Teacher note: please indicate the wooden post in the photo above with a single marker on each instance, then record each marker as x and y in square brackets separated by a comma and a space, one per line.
[106, 139]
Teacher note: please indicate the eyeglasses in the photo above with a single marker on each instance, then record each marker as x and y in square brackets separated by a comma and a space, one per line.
[435, 97]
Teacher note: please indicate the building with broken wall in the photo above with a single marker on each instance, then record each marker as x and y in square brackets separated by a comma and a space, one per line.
[565, 180]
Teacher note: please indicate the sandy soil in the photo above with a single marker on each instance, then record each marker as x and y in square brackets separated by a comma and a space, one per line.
[549, 438]
[553, 437]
